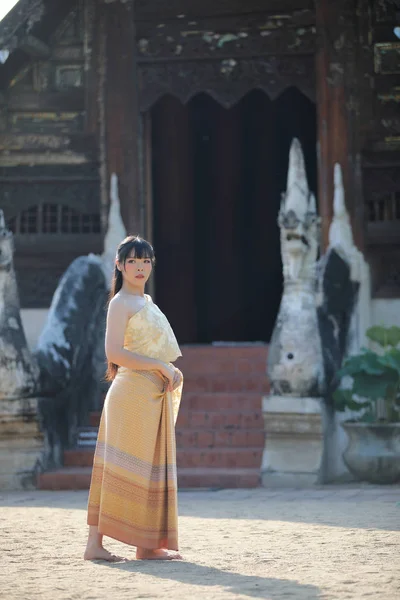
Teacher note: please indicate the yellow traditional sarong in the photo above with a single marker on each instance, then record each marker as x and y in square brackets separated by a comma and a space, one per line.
[133, 492]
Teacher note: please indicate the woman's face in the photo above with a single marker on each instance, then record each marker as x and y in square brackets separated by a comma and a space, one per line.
[136, 271]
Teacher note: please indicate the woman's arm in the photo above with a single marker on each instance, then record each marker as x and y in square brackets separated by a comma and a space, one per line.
[117, 319]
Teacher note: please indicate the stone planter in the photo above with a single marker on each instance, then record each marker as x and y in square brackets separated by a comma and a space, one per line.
[373, 452]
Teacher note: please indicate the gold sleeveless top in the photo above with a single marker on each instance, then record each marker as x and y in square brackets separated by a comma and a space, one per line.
[149, 333]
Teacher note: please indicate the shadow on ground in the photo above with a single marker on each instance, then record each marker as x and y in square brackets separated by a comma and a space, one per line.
[360, 507]
[244, 585]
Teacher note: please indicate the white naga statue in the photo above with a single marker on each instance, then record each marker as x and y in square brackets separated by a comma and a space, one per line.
[314, 326]
[295, 362]
[116, 231]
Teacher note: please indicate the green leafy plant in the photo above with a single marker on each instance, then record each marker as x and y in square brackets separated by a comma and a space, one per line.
[375, 378]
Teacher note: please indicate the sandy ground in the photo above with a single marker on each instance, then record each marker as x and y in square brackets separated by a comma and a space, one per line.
[329, 543]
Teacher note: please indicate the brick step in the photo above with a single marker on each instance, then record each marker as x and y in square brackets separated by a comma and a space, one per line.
[211, 438]
[79, 457]
[218, 382]
[208, 358]
[188, 456]
[222, 383]
[220, 420]
[232, 349]
[222, 365]
[217, 420]
[221, 401]
[214, 410]
[218, 478]
[186, 439]
[72, 478]
[78, 478]
[219, 458]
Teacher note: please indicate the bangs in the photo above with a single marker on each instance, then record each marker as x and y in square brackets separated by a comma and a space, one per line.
[135, 247]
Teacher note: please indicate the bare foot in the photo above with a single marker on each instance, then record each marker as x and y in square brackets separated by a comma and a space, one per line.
[161, 554]
[100, 553]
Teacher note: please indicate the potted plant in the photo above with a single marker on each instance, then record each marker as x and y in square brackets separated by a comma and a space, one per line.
[373, 452]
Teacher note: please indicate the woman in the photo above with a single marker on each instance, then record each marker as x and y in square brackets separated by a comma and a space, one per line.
[133, 492]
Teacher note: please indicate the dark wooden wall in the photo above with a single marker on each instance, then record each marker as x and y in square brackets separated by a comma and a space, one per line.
[380, 133]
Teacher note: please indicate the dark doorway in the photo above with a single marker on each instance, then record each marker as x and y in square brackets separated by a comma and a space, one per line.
[218, 175]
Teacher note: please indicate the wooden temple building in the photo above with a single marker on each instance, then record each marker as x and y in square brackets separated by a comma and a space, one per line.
[193, 105]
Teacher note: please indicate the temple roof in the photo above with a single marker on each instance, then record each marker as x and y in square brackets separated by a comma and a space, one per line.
[26, 30]
[20, 20]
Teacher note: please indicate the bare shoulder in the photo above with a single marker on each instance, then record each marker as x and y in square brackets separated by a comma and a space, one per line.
[128, 304]
[117, 306]
[117, 302]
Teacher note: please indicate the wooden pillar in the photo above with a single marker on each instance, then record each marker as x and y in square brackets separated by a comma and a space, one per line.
[91, 54]
[119, 108]
[338, 108]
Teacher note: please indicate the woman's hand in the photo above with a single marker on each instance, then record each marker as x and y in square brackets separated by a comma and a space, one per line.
[177, 379]
[168, 372]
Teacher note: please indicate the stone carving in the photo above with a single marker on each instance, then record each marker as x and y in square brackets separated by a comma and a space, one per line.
[340, 233]
[70, 350]
[318, 298]
[115, 232]
[18, 371]
[295, 365]
[344, 317]
[20, 437]
[4, 54]
[70, 354]
[342, 242]
[292, 411]
[339, 274]
[316, 326]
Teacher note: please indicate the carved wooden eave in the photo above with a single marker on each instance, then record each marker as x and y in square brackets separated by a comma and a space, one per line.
[227, 54]
[227, 81]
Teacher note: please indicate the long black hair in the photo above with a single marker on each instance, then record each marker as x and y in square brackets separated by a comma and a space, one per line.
[133, 245]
